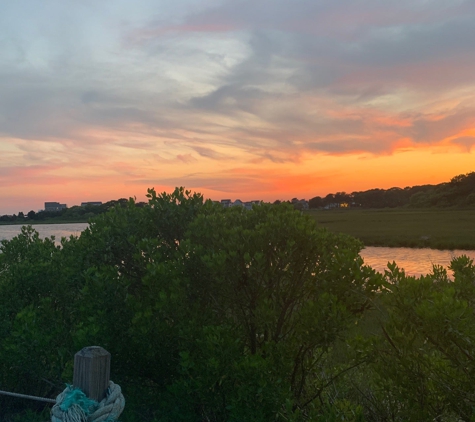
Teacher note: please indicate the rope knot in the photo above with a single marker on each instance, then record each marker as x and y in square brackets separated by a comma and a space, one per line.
[72, 405]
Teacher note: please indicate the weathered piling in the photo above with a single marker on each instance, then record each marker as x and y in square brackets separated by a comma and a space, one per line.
[92, 372]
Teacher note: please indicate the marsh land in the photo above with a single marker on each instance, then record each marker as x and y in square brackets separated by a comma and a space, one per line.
[403, 227]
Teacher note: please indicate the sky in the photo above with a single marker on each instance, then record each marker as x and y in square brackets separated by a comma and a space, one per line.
[258, 99]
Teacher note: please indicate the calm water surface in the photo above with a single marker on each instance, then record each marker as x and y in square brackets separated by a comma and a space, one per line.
[45, 230]
[414, 261]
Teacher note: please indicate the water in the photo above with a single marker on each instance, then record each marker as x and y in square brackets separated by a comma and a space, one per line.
[414, 261]
[45, 230]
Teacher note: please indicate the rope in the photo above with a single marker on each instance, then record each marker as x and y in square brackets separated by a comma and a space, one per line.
[72, 405]
[25, 396]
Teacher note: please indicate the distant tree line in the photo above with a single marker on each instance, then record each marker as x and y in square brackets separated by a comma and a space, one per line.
[459, 192]
[76, 212]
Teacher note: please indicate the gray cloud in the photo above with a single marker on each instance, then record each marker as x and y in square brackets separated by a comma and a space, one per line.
[466, 142]
[217, 182]
[426, 129]
[80, 76]
[207, 152]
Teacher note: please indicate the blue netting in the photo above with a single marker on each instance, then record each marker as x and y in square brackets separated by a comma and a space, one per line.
[77, 397]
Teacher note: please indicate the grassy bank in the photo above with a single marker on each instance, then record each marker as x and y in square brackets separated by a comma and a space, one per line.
[417, 228]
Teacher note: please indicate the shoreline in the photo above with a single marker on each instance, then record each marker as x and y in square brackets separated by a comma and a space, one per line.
[34, 223]
[438, 229]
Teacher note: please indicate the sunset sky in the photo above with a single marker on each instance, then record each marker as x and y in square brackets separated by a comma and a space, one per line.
[258, 99]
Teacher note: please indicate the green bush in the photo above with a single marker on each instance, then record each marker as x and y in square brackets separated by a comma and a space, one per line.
[215, 314]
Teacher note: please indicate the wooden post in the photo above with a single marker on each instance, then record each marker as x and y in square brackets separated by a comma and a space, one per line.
[92, 371]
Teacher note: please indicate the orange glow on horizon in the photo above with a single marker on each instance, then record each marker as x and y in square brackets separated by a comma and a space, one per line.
[316, 175]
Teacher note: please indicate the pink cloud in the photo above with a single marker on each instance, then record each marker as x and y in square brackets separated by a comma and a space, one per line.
[186, 158]
[33, 175]
[435, 74]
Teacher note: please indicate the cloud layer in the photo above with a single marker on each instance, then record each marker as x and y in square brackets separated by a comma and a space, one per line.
[231, 97]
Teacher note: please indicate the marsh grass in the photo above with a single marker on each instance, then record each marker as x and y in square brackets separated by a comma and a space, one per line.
[416, 228]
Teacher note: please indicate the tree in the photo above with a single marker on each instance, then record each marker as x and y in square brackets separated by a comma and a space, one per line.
[316, 202]
[341, 197]
[283, 288]
[424, 357]
[37, 292]
[225, 305]
[210, 313]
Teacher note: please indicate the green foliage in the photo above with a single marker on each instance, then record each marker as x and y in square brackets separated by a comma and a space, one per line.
[27, 415]
[415, 228]
[226, 310]
[423, 365]
[35, 314]
[459, 192]
[215, 314]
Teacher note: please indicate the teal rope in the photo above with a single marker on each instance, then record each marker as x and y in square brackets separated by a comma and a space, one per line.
[77, 397]
[72, 405]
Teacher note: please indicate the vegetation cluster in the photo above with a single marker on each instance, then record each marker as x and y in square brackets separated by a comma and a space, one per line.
[223, 314]
[459, 192]
[436, 228]
[74, 214]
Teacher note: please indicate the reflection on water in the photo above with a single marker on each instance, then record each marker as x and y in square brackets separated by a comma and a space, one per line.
[45, 230]
[413, 261]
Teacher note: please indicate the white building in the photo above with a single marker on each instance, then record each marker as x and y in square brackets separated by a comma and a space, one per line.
[54, 206]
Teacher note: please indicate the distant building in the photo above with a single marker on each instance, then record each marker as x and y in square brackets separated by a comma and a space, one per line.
[248, 204]
[55, 206]
[83, 204]
[226, 203]
[237, 203]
